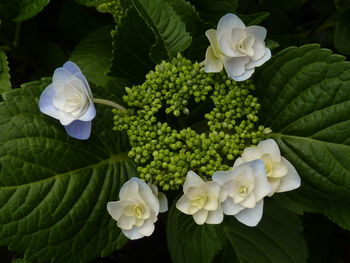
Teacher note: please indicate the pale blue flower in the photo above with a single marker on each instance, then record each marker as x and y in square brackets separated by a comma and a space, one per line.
[69, 99]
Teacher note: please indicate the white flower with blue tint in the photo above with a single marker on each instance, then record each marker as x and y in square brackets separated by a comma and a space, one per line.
[246, 186]
[280, 172]
[237, 48]
[69, 99]
[138, 208]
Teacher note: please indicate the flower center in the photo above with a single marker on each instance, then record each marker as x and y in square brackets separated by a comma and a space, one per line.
[71, 99]
[199, 201]
[242, 190]
[138, 211]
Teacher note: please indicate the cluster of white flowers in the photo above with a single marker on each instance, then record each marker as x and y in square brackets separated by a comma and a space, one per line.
[235, 47]
[260, 172]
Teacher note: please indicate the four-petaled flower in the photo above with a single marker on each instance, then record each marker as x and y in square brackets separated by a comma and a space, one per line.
[69, 99]
[138, 208]
[280, 172]
[202, 200]
[246, 185]
[236, 47]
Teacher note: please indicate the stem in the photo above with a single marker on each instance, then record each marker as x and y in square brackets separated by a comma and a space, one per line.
[17, 34]
[109, 103]
[202, 64]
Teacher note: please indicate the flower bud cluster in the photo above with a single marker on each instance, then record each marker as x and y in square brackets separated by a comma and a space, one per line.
[113, 7]
[161, 122]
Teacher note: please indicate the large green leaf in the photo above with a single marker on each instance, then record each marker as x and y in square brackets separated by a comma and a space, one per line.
[277, 238]
[20, 10]
[167, 26]
[187, 12]
[5, 84]
[306, 102]
[212, 10]
[54, 189]
[132, 41]
[189, 242]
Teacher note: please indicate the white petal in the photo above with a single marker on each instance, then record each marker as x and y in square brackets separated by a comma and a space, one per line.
[259, 62]
[66, 119]
[163, 203]
[192, 179]
[258, 32]
[227, 46]
[212, 203]
[275, 184]
[184, 205]
[230, 207]
[212, 63]
[86, 85]
[215, 217]
[251, 153]
[126, 222]
[61, 77]
[46, 102]
[238, 161]
[262, 186]
[259, 50]
[130, 191]
[133, 233]
[235, 66]
[200, 217]
[115, 209]
[148, 197]
[71, 67]
[212, 36]
[147, 228]
[227, 23]
[211, 188]
[251, 216]
[221, 177]
[270, 147]
[246, 75]
[249, 201]
[291, 180]
[237, 35]
[89, 114]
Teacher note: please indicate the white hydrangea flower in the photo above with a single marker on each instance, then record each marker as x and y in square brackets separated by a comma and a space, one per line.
[202, 200]
[280, 172]
[69, 99]
[236, 47]
[246, 185]
[138, 208]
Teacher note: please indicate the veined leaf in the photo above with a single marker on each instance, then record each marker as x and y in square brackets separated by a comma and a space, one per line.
[5, 84]
[132, 41]
[20, 10]
[167, 26]
[189, 242]
[187, 12]
[306, 102]
[277, 238]
[54, 189]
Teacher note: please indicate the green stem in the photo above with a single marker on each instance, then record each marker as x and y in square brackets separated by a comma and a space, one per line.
[109, 103]
[17, 34]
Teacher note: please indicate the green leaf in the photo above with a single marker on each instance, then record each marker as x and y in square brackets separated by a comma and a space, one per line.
[189, 242]
[5, 84]
[306, 102]
[342, 33]
[20, 10]
[277, 238]
[254, 19]
[187, 12]
[167, 26]
[132, 41]
[54, 189]
[212, 10]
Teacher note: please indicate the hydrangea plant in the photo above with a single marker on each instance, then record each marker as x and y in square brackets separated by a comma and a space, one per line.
[196, 122]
